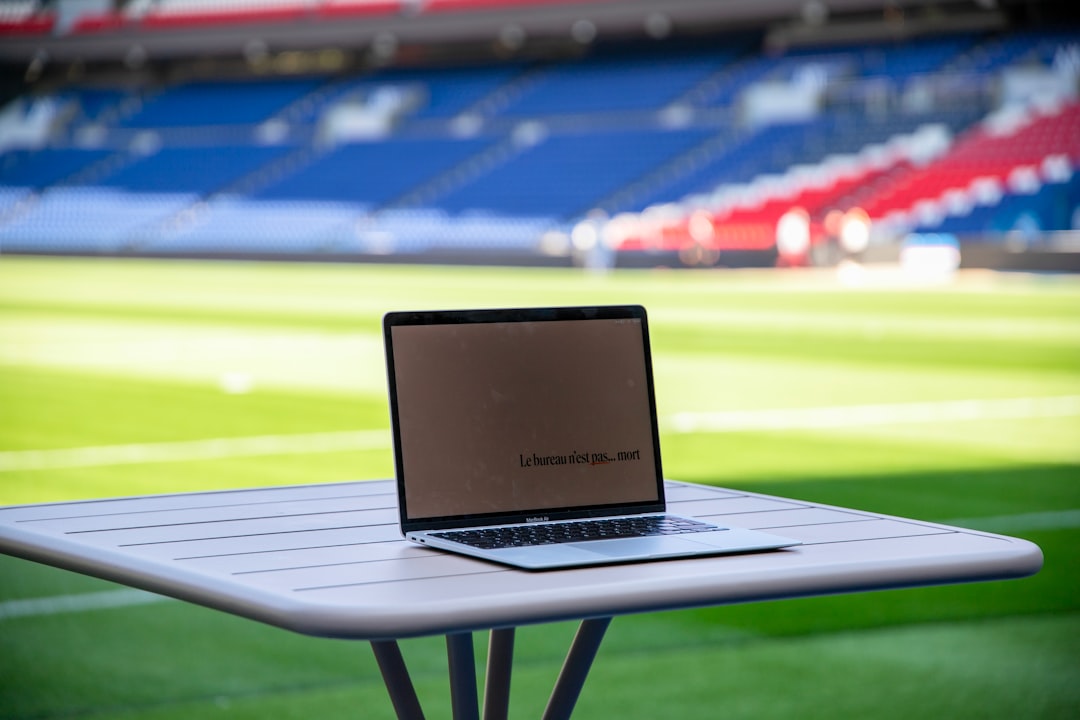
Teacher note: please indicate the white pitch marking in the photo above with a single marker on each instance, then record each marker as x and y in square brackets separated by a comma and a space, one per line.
[830, 418]
[80, 602]
[1022, 522]
[211, 449]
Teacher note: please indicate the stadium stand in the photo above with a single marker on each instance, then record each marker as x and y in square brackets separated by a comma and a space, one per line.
[693, 145]
[25, 17]
[992, 154]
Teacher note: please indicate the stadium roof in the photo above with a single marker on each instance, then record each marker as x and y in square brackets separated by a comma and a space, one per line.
[502, 24]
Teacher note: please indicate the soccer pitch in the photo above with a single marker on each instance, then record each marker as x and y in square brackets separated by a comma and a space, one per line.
[958, 404]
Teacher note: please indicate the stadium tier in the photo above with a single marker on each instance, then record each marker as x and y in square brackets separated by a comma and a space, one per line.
[1005, 156]
[705, 147]
[38, 17]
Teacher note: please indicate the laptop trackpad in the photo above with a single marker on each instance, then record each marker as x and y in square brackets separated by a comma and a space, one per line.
[656, 546]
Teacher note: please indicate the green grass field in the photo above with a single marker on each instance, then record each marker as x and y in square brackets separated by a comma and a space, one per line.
[131, 377]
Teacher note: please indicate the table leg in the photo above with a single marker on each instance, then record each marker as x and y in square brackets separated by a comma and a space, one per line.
[576, 668]
[459, 650]
[398, 682]
[500, 662]
[462, 660]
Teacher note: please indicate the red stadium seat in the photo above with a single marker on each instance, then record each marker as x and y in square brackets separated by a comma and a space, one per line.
[34, 25]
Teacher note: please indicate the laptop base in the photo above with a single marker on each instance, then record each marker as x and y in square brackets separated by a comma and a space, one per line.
[621, 550]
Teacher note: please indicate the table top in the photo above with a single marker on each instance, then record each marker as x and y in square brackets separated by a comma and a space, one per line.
[329, 560]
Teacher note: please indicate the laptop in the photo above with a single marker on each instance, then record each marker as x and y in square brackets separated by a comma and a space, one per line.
[528, 437]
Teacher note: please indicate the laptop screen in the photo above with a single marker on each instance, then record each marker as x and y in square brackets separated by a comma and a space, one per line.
[501, 414]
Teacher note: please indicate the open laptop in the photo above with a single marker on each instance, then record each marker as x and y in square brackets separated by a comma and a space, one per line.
[528, 437]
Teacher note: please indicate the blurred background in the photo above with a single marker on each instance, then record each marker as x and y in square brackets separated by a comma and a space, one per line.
[791, 132]
[855, 225]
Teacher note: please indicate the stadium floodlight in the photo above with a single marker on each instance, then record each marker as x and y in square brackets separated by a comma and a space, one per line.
[701, 227]
[584, 236]
[855, 231]
[619, 229]
[793, 233]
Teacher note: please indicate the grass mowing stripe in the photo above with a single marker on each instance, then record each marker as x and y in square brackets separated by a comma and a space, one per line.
[823, 418]
[78, 602]
[820, 418]
[211, 449]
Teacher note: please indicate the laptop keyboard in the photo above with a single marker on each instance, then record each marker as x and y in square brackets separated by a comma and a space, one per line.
[576, 531]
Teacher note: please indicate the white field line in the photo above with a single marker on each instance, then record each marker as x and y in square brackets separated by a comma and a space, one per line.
[1022, 522]
[819, 418]
[211, 449]
[80, 602]
[83, 602]
[853, 416]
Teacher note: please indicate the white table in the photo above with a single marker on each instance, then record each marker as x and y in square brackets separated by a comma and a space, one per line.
[328, 560]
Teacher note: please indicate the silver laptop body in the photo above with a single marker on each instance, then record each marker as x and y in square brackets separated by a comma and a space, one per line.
[509, 425]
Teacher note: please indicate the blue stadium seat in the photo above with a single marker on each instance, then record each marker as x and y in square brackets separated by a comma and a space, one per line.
[445, 92]
[89, 220]
[231, 224]
[998, 51]
[94, 103]
[902, 61]
[568, 174]
[35, 169]
[610, 84]
[418, 231]
[372, 173]
[452, 91]
[199, 170]
[1048, 209]
[219, 103]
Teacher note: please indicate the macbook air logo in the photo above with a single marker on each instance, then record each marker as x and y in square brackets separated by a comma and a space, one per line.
[538, 518]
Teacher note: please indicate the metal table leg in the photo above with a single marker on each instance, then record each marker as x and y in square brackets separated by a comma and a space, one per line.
[459, 650]
[398, 682]
[500, 662]
[462, 661]
[576, 668]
